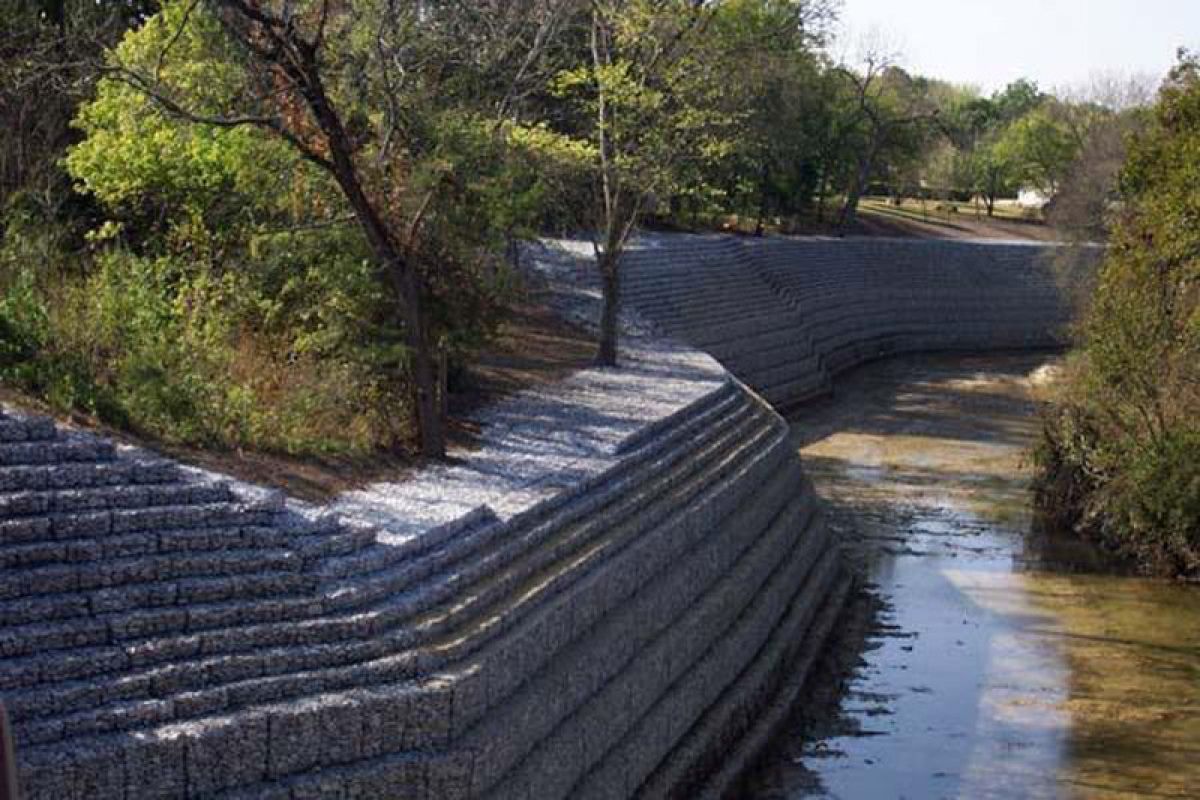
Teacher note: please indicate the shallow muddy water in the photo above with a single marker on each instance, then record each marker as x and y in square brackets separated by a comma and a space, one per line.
[983, 660]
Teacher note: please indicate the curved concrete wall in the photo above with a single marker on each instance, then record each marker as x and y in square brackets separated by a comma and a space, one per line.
[615, 594]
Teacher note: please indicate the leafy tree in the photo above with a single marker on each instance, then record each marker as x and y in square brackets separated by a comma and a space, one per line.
[1014, 101]
[773, 47]
[1041, 148]
[154, 171]
[629, 112]
[994, 171]
[889, 116]
[999, 141]
[379, 98]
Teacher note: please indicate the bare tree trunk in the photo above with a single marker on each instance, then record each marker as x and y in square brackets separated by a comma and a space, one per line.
[405, 279]
[425, 388]
[443, 380]
[610, 278]
[762, 201]
[857, 187]
[405, 285]
[822, 191]
[990, 193]
[616, 230]
[512, 247]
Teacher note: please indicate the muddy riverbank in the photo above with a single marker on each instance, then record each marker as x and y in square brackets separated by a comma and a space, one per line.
[982, 659]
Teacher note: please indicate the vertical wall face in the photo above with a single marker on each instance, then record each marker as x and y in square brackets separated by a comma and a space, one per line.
[614, 596]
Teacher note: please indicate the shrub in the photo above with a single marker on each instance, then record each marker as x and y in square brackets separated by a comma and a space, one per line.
[24, 324]
[1120, 455]
[169, 350]
[224, 297]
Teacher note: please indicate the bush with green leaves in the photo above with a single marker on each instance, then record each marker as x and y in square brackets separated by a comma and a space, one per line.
[1120, 458]
[226, 296]
[220, 206]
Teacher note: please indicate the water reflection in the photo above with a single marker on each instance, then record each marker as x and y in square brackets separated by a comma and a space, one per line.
[1004, 664]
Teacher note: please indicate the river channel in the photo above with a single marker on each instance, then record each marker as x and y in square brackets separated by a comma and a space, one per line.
[982, 659]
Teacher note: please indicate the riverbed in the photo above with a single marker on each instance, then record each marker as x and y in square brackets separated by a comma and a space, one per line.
[983, 658]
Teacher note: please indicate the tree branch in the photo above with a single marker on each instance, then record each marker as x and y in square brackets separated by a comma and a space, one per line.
[162, 55]
[164, 101]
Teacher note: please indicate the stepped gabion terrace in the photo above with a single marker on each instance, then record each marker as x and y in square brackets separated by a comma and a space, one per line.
[617, 594]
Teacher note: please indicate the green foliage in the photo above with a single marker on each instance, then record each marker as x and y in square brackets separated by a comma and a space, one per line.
[1016, 137]
[215, 283]
[33, 358]
[554, 170]
[24, 326]
[776, 131]
[223, 298]
[653, 111]
[1014, 101]
[166, 181]
[1162, 500]
[993, 171]
[1040, 149]
[162, 347]
[1123, 450]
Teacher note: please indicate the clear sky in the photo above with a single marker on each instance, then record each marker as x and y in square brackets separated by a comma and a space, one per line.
[1058, 43]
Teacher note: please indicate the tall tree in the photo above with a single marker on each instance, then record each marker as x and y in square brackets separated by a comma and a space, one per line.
[350, 89]
[887, 110]
[993, 171]
[1114, 111]
[1119, 459]
[1015, 101]
[629, 102]
[774, 47]
[1041, 148]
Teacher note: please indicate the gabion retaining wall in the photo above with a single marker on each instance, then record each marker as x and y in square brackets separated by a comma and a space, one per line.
[786, 315]
[616, 594]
